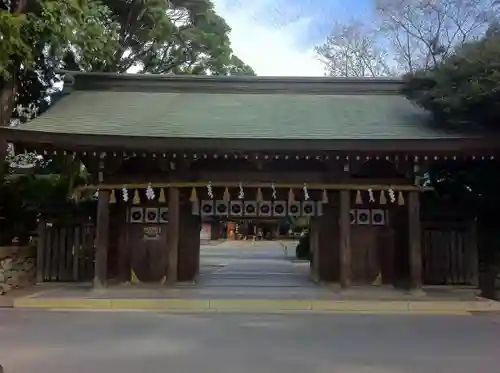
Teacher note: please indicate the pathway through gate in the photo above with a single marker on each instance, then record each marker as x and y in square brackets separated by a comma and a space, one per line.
[249, 269]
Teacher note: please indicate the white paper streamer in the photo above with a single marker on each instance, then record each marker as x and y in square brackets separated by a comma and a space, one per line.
[125, 194]
[392, 195]
[371, 197]
[306, 193]
[241, 193]
[209, 190]
[150, 193]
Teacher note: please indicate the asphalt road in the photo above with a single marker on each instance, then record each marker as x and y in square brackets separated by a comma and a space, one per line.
[62, 341]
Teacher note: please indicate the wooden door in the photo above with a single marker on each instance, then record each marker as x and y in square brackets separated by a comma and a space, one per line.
[148, 251]
[365, 261]
[372, 255]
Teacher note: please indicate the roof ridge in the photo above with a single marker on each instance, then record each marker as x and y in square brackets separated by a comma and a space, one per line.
[204, 83]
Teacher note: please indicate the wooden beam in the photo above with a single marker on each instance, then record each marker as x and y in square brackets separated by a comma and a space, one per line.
[233, 184]
[483, 144]
[415, 241]
[173, 235]
[102, 239]
[345, 238]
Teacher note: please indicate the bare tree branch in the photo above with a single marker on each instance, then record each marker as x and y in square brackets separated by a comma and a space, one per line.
[352, 50]
[432, 29]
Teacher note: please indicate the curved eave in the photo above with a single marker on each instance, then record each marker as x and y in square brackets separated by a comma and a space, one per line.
[37, 139]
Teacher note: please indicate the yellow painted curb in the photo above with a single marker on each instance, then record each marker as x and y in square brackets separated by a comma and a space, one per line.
[365, 306]
[262, 306]
[256, 305]
[160, 304]
[71, 303]
[478, 306]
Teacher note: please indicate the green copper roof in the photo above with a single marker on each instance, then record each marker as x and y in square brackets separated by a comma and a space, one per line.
[313, 113]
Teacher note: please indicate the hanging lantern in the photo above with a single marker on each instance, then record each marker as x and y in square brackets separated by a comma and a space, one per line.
[137, 199]
[359, 199]
[161, 197]
[227, 195]
[401, 199]
[112, 196]
[194, 196]
[291, 197]
[383, 200]
[324, 197]
[259, 195]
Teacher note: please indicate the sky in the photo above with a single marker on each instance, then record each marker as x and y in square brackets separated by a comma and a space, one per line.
[277, 37]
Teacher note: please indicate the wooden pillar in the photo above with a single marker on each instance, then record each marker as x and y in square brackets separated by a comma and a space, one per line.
[102, 239]
[40, 246]
[215, 230]
[173, 234]
[314, 249]
[328, 264]
[345, 238]
[189, 245]
[414, 236]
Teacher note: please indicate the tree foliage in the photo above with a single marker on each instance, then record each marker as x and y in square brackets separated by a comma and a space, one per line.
[463, 91]
[36, 34]
[464, 88]
[39, 36]
[153, 36]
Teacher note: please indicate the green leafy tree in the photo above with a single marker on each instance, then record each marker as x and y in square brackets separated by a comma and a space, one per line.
[161, 36]
[34, 37]
[36, 34]
[462, 92]
[155, 36]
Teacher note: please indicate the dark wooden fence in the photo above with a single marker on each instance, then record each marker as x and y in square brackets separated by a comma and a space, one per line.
[449, 254]
[65, 252]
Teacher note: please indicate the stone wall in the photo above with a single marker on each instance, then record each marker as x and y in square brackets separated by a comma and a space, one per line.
[17, 267]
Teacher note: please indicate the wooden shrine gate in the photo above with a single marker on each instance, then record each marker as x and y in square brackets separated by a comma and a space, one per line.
[449, 253]
[65, 252]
